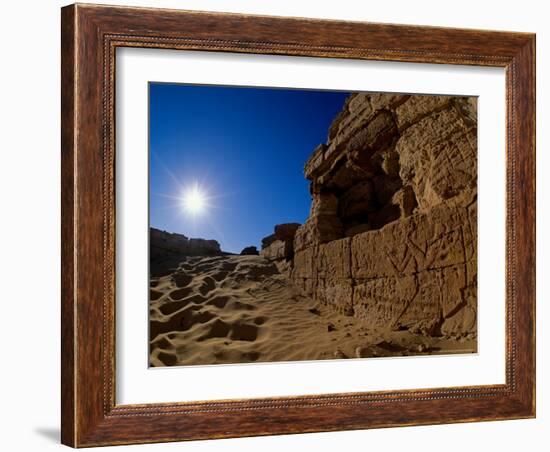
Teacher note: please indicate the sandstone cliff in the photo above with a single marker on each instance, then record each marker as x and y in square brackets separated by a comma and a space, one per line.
[167, 249]
[391, 236]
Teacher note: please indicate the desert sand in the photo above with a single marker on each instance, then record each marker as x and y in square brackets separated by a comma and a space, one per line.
[241, 309]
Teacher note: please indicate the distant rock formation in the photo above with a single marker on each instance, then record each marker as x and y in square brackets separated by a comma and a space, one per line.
[250, 251]
[166, 249]
[392, 232]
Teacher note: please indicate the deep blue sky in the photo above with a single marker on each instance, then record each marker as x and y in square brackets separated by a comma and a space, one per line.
[245, 147]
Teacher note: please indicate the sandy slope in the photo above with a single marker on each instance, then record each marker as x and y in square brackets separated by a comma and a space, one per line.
[236, 309]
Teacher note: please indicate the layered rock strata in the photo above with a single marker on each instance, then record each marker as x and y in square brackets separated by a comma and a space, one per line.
[391, 236]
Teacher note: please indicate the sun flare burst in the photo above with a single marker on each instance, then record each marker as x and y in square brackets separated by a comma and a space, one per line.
[194, 201]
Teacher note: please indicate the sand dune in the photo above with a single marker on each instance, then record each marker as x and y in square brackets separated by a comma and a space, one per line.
[239, 309]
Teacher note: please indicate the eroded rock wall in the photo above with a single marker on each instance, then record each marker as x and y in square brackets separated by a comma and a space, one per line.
[392, 233]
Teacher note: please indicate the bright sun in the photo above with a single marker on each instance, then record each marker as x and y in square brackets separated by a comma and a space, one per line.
[194, 201]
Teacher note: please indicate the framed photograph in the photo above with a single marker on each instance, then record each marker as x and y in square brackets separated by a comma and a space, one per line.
[279, 225]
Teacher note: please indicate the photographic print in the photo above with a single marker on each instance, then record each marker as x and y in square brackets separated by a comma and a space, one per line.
[292, 224]
[295, 200]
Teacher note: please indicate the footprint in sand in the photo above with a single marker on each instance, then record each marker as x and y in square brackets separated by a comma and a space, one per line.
[167, 358]
[244, 332]
[220, 276]
[180, 294]
[208, 284]
[194, 299]
[181, 279]
[219, 302]
[154, 294]
[260, 320]
[243, 306]
[228, 266]
[236, 331]
[217, 329]
[174, 306]
[181, 320]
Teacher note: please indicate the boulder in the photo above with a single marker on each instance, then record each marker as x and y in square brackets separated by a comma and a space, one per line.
[250, 251]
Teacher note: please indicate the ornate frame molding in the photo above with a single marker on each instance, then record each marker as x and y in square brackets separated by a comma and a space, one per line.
[90, 36]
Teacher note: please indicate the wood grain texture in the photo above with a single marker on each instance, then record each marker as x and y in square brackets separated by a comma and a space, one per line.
[67, 224]
[90, 36]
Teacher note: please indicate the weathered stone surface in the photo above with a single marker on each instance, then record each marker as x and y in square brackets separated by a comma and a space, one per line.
[382, 301]
[336, 293]
[461, 320]
[320, 229]
[359, 102]
[417, 107]
[284, 266]
[323, 224]
[417, 243]
[392, 233]
[405, 200]
[279, 246]
[380, 101]
[342, 175]
[386, 161]
[316, 160]
[426, 303]
[376, 135]
[305, 264]
[443, 164]
[279, 249]
[324, 204]
[334, 260]
[266, 241]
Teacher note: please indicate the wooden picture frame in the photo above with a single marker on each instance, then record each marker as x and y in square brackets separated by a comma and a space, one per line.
[90, 36]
